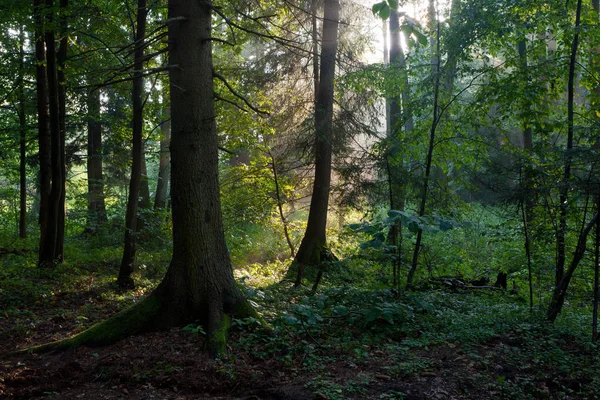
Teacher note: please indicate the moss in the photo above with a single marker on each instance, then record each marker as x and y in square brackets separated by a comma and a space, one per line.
[217, 339]
[134, 319]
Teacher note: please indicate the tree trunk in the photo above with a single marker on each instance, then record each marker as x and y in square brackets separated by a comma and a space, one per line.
[199, 284]
[313, 247]
[164, 171]
[314, 7]
[124, 280]
[398, 117]
[145, 201]
[96, 205]
[22, 141]
[51, 247]
[560, 291]
[284, 220]
[429, 159]
[564, 189]
[596, 270]
[42, 118]
[61, 59]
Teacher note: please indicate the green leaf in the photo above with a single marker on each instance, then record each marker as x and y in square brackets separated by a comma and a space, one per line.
[385, 13]
[382, 10]
[393, 4]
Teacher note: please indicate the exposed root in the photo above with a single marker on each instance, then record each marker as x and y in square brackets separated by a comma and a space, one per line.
[135, 319]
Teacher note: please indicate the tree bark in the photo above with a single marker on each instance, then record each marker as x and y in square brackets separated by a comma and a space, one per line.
[399, 117]
[61, 59]
[164, 171]
[560, 291]
[129, 248]
[428, 161]
[145, 200]
[313, 247]
[314, 7]
[51, 248]
[22, 141]
[284, 220]
[96, 205]
[564, 189]
[42, 118]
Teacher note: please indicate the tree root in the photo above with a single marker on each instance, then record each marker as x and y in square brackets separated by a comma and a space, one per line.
[132, 320]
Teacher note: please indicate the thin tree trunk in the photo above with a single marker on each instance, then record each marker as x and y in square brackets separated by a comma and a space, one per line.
[160, 199]
[560, 291]
[96, 204]
[564, 190]
[280, 206]
[42, 119]
[527, 245]
[596, 269]
[145, 200]
[22, 141]
[312, 249]
[399, 117]
[429, 159]
[124, 280]
[61, 59]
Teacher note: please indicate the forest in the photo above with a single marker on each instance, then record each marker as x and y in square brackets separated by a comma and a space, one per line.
[299, 199]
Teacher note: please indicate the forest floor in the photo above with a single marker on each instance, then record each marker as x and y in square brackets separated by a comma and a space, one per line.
[343, 343]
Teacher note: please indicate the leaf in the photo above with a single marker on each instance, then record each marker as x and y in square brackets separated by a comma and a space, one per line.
[382, 10]
[385, 13]
[420, 37]
[377, 7]
[413, 227]
[393, 4]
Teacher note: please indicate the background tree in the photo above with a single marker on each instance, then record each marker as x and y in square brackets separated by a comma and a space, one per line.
[313, 249]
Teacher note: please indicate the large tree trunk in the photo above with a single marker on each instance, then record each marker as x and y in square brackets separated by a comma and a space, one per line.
[42, 118]
[164, 171]
[129, 248]
[313, 247]
[199, 284]
[96, 205]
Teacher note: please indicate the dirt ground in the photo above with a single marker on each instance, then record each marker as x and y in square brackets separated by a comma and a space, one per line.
[172, 365]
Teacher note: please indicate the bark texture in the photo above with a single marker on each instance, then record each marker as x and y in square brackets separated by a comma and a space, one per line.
[51, 245]
[43, 127]
[22, 141]
[164, 167]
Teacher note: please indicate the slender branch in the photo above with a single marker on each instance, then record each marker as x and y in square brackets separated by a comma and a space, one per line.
[239, 96]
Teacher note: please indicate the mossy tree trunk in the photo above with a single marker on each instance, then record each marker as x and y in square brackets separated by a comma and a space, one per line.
[312, 248]
[199, 284]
